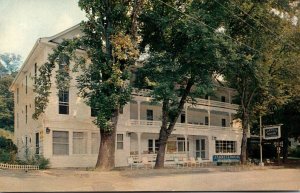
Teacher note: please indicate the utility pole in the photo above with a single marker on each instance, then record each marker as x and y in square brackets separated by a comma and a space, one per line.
[261, 163]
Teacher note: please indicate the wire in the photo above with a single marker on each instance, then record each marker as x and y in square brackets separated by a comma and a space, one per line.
[196, 19]
[277, 35]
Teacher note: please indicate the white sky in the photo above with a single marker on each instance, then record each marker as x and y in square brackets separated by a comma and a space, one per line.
[22, 22]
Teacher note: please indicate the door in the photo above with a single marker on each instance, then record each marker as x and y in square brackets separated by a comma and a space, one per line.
[200, 148]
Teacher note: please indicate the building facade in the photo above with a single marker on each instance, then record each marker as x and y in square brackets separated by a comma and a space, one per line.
[66, 135]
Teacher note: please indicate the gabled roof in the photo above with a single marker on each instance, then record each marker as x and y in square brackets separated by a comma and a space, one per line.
[45, 40]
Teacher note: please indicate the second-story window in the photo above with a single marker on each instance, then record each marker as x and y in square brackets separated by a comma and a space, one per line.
[223, 99]
[182, 117]
[149, 115]
[223, 122]
[26, 86]
[17, 95]
[94, 112]
[26, 114]
[63, 102]
[35, 72]
[206, 121]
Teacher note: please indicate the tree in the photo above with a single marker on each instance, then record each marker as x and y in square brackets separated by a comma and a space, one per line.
[259, 86]
[184, 56]
[9, 64]
[104, 73]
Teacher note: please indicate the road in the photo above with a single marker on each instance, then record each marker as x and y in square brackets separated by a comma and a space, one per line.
[204, 179]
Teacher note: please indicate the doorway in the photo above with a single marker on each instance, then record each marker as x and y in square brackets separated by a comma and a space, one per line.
[200, 148]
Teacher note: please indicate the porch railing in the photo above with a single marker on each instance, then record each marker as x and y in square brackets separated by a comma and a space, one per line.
[157, 124]
[146, 93]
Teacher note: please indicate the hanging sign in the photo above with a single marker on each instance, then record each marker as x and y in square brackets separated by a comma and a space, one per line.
[271, 132]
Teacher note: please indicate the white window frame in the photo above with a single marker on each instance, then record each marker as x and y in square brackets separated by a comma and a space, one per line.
[120, 141]
[226, 146]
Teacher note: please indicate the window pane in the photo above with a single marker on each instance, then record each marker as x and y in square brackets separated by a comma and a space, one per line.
[119, 141]
[60, 142]
[79, 143]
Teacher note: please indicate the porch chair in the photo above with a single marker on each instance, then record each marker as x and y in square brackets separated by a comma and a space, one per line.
[130, 162]
[185, 161]
[199, 161]
[146, 163]
[192, 161]
[177, 162]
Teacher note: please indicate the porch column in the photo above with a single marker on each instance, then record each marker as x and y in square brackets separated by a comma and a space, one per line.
[186, 113]
[139, 145]
[208, 112]
[230, 120]
[186, 145]
[139, 112]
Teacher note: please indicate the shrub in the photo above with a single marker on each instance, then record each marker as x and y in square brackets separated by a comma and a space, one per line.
[295, 152]
[8, 150]
[39, 160]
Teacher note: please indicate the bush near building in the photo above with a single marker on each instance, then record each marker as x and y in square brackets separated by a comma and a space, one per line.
[8, 150]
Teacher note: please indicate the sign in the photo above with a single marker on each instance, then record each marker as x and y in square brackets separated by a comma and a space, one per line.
[220, 158]
[271, 132]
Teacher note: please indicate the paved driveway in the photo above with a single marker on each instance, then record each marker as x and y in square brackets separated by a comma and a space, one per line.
[204, 179]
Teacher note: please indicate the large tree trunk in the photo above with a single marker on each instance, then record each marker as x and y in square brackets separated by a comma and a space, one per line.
[245, 121]
[106, 155]
[165, 131]
[163, 136]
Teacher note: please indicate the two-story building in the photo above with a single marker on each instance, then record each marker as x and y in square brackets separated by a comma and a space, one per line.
[66, 135]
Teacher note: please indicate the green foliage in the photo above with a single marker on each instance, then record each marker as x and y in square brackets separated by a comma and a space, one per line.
[39, 160]
[104, 69]
[8, 150]
[295, 152]
[9, 64]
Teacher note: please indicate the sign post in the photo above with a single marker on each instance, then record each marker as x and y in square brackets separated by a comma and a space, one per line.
[273, 132]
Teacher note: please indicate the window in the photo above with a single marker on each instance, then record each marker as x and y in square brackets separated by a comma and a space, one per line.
[63, 102]
[95, 143]
[119, 141]
[206, 120]
[149, 115]
[182, 117]
[94, 112]
[26, 84]
[35, 72]
[79, 143]
[181, 144]
[17, 95]
[37, 143]
[223, 98]
[153, 145]
[60, 143]
[223, 122]
[26, 114]
[225, 146]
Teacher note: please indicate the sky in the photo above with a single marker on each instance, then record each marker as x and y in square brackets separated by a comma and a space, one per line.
[22, 22]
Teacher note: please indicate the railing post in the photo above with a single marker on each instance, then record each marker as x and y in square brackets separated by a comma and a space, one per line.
[139, 112]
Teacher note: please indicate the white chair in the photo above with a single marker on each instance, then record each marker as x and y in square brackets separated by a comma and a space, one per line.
[199, 161]
[177, 162]
[192, 161]
[185, 161]
[146, 163]
[130, 162]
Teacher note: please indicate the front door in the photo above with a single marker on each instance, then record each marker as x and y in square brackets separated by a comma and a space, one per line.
[200, 148]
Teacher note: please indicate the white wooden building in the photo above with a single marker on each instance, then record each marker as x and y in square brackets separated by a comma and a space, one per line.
[65, 132]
